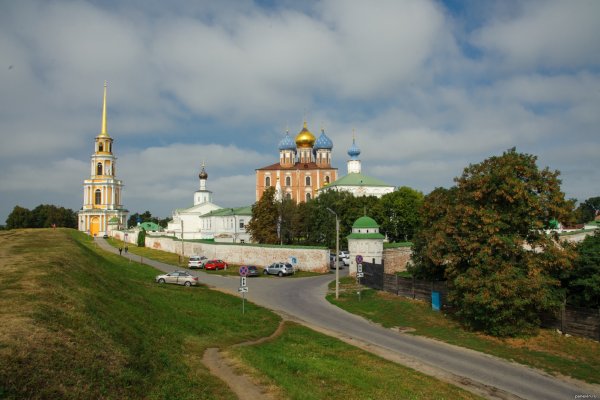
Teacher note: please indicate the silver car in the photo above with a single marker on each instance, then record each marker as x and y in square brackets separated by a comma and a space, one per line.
[179, 278]
[279, 268]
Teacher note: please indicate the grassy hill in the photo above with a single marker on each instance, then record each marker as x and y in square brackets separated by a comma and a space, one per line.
[78, 323]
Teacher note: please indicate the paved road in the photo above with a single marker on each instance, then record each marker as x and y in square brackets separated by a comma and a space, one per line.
[304, 299]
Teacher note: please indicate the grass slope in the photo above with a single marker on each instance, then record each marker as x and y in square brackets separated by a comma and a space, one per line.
[80, 324]
[308, 365]
[570, 356]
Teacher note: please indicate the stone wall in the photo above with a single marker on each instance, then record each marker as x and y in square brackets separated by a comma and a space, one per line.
[395, 259]
[316, 259]
[131, 236]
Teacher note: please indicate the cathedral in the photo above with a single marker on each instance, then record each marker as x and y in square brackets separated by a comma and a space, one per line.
[102, 208]
[356, 182]
[304, 167]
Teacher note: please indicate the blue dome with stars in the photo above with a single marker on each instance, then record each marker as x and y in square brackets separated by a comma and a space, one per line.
[353, 151]
[323, 142]
[287, 143]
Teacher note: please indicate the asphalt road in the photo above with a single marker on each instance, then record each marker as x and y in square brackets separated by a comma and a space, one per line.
[304, 299]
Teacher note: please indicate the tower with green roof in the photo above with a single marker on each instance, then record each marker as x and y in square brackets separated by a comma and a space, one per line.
[365, 240]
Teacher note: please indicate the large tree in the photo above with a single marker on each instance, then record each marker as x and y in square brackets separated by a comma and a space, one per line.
[401, 214]
[583, 282]
[489, 241]
[263, 227]
[43, 216]
[20, 217]
[588, 210]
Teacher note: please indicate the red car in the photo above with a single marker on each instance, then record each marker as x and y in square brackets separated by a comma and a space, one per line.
[215, 264]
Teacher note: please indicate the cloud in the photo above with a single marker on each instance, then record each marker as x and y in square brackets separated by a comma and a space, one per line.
[549, 34]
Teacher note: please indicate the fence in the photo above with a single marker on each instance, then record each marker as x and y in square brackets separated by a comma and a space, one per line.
[584, 322]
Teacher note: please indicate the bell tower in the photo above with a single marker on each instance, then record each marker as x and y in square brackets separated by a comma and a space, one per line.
[102, 204]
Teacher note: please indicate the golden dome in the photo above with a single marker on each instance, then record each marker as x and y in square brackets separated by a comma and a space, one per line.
[305, 138]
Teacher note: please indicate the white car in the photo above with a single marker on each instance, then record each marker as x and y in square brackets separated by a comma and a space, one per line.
[196, 262]
[345, 257]
[179, 278]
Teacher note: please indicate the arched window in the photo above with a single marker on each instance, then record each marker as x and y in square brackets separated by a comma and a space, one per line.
[98, 197]
[327, 179]
[99, 169]
[288, 181]
[288, 196]
[100, 147]
[308, 181]
[268, 181]
[308, 196]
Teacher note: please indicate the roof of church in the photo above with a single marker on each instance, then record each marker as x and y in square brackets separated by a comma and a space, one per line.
[358, 179]
[223, 212]
[298, 165]
[287, 143]
[323, 142]
[365, 222]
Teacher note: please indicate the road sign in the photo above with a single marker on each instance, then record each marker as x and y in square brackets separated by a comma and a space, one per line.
[360, 275]
[359, 259]
[242, 281]
[359, 268]
[243, 271]
[243, 289]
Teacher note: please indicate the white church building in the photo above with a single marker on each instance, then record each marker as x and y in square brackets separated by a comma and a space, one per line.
[356, 182]
[207, 220]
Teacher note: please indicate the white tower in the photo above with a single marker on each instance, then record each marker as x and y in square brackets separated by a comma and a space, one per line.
[202, 195]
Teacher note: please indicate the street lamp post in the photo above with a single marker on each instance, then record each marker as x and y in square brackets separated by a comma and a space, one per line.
[337, 253]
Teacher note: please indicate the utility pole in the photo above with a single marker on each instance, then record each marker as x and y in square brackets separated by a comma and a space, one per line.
[182, 241]
[337, 253]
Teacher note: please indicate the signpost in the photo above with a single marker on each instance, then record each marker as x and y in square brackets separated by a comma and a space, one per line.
[359, 272]
[243, 289]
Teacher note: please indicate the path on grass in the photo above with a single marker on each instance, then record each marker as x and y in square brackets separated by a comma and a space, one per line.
[303, 299]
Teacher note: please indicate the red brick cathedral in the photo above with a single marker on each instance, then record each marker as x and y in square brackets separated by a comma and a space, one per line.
[304, 167]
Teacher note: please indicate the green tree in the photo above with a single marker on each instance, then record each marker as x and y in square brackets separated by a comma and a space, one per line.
[401, 214]
[265, 219]
[588, 210]
[141, 239]
[583, 282]
[19, 217]
[47, 215]
[499, 263]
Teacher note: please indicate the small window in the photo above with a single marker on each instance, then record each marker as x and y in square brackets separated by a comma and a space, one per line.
[308, 181]
[100, 147]
[288, 196]
[288, 181]
[241, 224]
[308, 196]
[99, 169]
[327, 179]
[268, 181]
[98, 196]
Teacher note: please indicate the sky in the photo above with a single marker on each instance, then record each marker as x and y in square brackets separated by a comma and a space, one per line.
[427, 87]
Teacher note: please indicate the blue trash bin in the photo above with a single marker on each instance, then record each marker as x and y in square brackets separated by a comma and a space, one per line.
[436, 301]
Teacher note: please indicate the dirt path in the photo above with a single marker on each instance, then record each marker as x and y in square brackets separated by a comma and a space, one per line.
[244, 386]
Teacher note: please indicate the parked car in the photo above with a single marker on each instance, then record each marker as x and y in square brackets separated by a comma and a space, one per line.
[345, 257]
[215, 265]
[332, 262]
[279, 268]
[252, 270]
[179, 278]
[196, 262]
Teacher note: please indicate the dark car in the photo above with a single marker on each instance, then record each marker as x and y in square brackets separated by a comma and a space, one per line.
[252, 270]
[279, 268]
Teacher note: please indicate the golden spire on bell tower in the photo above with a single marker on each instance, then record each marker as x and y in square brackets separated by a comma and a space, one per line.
[103, 129]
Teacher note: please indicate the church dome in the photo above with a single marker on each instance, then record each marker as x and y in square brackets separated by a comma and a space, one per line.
[287, 143]
[305, 138]
[365, 223]
[323, 142]
[353, 151]
[203, 174]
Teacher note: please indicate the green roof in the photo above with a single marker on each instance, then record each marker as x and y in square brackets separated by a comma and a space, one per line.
[113, 220]
[365, 236]
[223, 212]
[365, 223]
[150, 226]
[357, 179]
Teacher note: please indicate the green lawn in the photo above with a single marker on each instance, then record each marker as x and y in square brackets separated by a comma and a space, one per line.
[549, 351]
[79, 323]
[309, 365]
